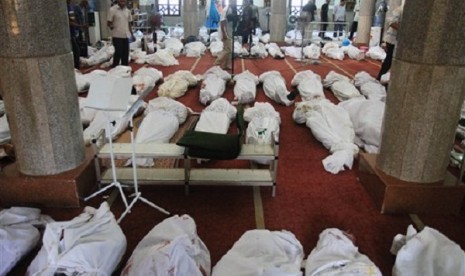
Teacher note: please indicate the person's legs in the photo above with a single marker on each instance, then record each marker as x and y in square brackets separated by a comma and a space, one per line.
[387, 61]
[340, 28]
[117, 54]
[228, 56]
[224, 58]
[76, 52]
[125, 52]
[353, 29]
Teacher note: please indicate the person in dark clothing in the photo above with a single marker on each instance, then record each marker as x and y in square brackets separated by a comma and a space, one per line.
[74, 28]
[308, 11]
[324, 18]
[246, 24]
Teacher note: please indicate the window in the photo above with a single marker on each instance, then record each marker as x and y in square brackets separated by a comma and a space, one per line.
[169, 7]
[239, 2]
[239, 5]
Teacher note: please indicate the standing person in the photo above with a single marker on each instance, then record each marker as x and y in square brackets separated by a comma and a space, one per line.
[219, 6]
[354, 26]
[255, 17]
[324, 18]
[339, 17]
[228, 22]
[155, 22]
[83, 18]
[245, 27]
[390, 40]
[380, 16]
[308, 11]
[119, 21]
[74, 27]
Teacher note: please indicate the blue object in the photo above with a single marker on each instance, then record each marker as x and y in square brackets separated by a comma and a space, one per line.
[346, 42]
[213, 18]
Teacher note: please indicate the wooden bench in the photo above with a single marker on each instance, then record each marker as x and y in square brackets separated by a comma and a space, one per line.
[187, 175]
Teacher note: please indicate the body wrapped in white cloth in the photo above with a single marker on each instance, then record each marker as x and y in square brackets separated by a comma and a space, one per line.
[341, 86]
[176, 84]
[331, 125]
[426, 253]
[100, 121]
[216, 117]
[213, 84]
[173, 248]
[145, 79]
[336, 254]
[370, 87]
[275, 88]
[90, 244]
[162, 119]
[262, 253]
[309, 85]
[18, 235]
[367, 119]
[245, 89]
[263, 127]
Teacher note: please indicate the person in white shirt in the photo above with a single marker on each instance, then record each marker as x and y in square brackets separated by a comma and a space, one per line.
[339, 17]
[119, 21]
[227, 23]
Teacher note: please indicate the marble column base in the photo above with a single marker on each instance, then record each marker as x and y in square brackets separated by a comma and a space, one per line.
[394, 196]
[61, 190]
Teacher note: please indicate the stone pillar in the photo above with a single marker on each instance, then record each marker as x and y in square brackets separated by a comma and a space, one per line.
[278, 20]
[425, 95]
[102, 6]
[39, 90]
[190, 18]
[367, 9]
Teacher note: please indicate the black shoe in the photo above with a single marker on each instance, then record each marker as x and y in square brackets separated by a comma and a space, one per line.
[291, 96]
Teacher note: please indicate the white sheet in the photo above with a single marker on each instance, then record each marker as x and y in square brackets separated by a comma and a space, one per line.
[174, 45]
[91, 244]
[263, 127]
[309, 85]
[335, 254]
[213, 85]
[194, 49]
[262, 253]
[163, 57]
[274, 50]
[176, 84]
[331, 125]
[367, 119]
[100, 122]
[275, 88]
[258, 49]
[312, 51]
[245, 89]
[426, 253]
[172, 247]
[341, 86]
[211, 121]
[18, 235]
[5, 135]
[145, 79]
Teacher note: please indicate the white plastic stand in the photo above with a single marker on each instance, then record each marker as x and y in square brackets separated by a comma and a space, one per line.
[137, 194]
[108, 93]
[115, 182]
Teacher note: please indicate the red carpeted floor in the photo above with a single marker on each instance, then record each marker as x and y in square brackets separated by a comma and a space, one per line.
[308, 199]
